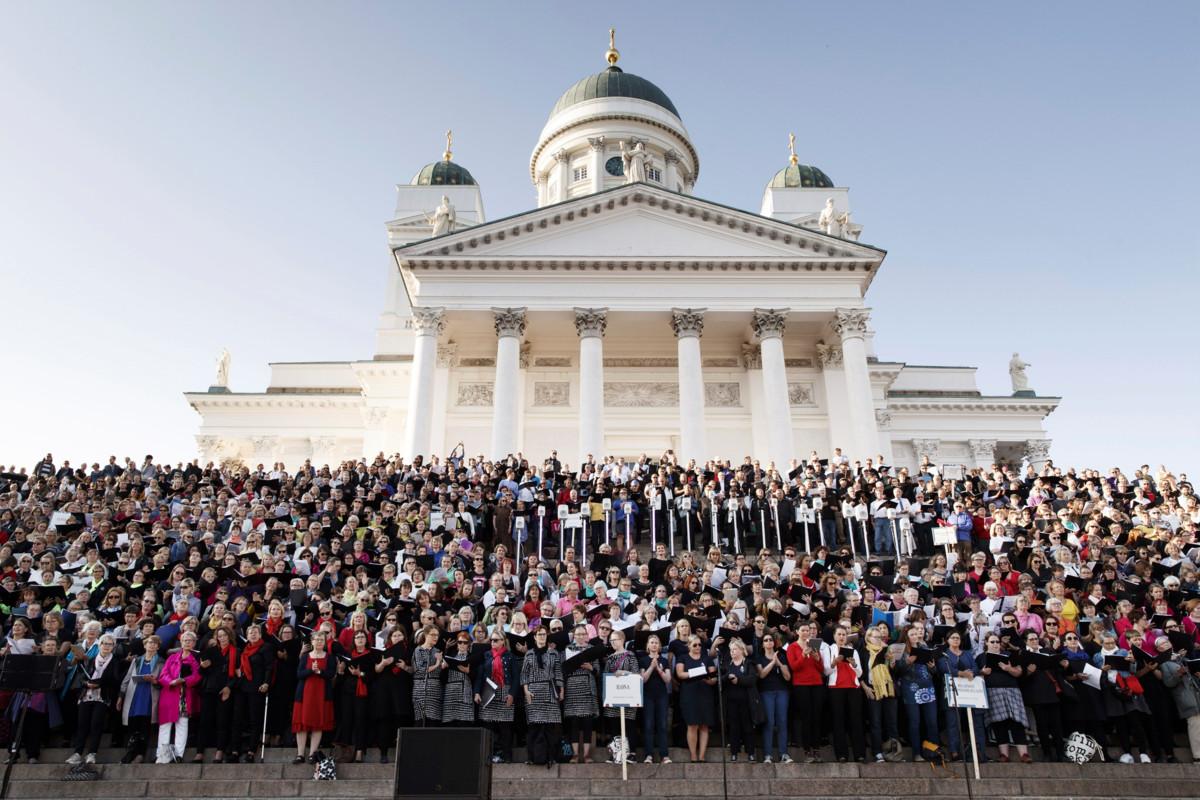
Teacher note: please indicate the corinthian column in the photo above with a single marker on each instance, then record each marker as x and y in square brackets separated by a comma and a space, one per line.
[510, 327]
[851, 325]
[688, 324]
[428, 324]
[590, 324]
[768, 325]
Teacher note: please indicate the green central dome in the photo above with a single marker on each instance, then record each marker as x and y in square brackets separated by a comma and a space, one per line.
[800, 176]
[443, 173]
[614, 82]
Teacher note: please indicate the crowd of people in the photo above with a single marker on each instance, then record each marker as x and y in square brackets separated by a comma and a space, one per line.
[228, 608]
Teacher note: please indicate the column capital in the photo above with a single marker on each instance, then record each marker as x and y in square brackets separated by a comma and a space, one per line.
[510, 321]
[829, 355]
[768, 323]
[687, 322]
[851, 322]
[883, 418]
[671, 157]
[1037, 452]
[561, 156]
[428, 321]
[751, 356]
[596, 142]
[591, 322]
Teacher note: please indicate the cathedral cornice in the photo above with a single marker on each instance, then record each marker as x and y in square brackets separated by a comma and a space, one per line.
[1041, 406]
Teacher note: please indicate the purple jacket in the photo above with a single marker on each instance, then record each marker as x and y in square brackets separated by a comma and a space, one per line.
[168, 701]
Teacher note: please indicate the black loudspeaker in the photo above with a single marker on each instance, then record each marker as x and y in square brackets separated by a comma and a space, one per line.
[443, 763]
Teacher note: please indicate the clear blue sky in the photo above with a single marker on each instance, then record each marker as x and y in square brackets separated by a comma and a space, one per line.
[175, 178]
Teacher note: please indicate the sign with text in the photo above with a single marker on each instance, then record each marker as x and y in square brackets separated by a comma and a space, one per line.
[623, 691]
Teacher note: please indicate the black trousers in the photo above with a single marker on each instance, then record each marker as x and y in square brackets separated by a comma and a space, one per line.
[1048, 717]
[248, 709]
[502, 738]
[92, 718]
[741, 728]
[215, 722]
[806, 708]
[37, 725]
[846, 706]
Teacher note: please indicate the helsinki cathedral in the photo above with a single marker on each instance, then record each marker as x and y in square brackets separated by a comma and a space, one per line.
[624, 314]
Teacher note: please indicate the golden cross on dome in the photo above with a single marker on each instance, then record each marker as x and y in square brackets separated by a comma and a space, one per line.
[449, 140]
[612, 55]
[792, 149]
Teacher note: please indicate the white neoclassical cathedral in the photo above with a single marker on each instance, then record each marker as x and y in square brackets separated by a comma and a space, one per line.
[624, 314]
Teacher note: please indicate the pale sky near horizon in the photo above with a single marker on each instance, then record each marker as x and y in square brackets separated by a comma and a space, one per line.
[175, 178]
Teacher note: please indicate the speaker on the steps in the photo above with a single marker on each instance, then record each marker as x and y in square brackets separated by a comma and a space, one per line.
[444, 763]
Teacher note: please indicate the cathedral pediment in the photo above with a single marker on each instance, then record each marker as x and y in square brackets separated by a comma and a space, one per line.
[642, 224]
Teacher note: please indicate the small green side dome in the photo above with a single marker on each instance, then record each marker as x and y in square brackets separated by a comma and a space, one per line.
[800, 176]
[443, 173]
[614, 82]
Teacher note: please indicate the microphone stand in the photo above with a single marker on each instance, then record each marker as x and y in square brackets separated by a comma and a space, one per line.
[724, 739]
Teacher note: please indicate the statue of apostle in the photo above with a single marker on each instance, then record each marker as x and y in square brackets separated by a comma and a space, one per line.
[443, 219]
[634, 162]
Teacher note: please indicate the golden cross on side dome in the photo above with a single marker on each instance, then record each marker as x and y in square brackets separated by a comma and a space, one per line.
[449, 140]
[792, 149]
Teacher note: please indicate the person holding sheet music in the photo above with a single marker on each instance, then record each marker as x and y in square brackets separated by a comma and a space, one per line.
[100, 682]
[697, 675]
[619, 662]
[957, 662]
[916, 669]
[1006, 705]
[496, 683]
[542, 685]
[808, 692]
[1124, 703]
[843, 671]
[1040, 687]
[581, 698]
[356, 673]
[1083, 705]
[458, 705]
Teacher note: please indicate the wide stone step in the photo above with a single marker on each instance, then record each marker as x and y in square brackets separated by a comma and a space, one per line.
[575, 781]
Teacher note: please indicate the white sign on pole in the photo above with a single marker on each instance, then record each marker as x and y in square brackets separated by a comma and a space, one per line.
[606, 504]
[628, 507]
[563, 511]
[573, 521]
[541, 511]
[971, 693]
[952, 472]
[623, 691]
[685, 503]
[946, 536]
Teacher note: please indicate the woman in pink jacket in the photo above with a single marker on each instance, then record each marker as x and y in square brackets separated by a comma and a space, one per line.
[177, 703]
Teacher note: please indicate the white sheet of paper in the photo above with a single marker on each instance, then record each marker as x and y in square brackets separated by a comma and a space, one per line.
[697, 672]
[719, 574]
[789, 566]
[1091, 676]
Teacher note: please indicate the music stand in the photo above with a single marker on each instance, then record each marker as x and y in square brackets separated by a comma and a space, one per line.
[26, 673]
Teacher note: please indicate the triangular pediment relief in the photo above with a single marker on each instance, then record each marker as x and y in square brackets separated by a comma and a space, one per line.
[640, 222]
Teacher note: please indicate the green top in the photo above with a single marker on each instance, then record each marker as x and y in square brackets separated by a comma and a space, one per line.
[614, 82]
[800, 175]
[443, 173]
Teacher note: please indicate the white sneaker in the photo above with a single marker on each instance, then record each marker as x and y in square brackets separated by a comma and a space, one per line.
[1126, 758]
[785, 759]
[1145, 759]
[768, 760]
[649, 760]
[74, 759]
[91, 758]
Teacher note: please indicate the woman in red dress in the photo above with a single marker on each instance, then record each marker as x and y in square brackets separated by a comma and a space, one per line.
[312, 711]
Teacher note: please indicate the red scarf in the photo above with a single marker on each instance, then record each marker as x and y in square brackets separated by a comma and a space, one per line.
[498, 665]
[360, 688]
[247, 653]
[229, 653]
[273, 626]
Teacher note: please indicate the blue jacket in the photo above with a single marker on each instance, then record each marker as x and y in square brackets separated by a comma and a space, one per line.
[963, 526]
[512, 673]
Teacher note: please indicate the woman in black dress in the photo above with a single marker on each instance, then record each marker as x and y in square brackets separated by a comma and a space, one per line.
[697, 676]
[391, 695]
[354, 696]
[283, 691]
[218, 666]
[581, 705]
